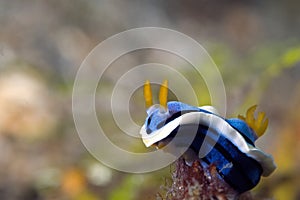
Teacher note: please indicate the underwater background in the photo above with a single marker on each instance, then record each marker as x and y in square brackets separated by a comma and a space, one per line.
[255, 44]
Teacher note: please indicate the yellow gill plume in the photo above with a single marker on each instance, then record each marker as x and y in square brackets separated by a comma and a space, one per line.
[258, 125]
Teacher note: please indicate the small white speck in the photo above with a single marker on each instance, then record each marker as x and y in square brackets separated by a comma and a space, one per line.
[227, 166]
[99, 174]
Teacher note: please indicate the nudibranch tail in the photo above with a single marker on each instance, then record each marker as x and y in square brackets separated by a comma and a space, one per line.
[163, 94]
[258, 125]
[148, 94]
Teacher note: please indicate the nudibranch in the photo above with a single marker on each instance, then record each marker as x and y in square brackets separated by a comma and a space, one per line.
[234, 154]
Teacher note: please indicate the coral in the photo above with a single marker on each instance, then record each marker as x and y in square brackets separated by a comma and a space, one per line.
[197, 182]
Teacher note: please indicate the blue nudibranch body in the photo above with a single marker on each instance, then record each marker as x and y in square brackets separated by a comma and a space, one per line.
[234, 154]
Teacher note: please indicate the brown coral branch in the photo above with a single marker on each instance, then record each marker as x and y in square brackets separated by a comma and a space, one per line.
[199, 182]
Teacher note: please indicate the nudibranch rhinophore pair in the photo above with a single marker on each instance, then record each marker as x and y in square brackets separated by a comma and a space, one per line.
[234, 154]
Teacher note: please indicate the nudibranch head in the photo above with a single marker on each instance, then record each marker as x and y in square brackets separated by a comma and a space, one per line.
[237, 160]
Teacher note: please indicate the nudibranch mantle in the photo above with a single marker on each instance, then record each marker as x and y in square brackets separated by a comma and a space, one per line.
[237, 159]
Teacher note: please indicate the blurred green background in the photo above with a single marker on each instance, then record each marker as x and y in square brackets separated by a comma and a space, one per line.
[255, 44]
